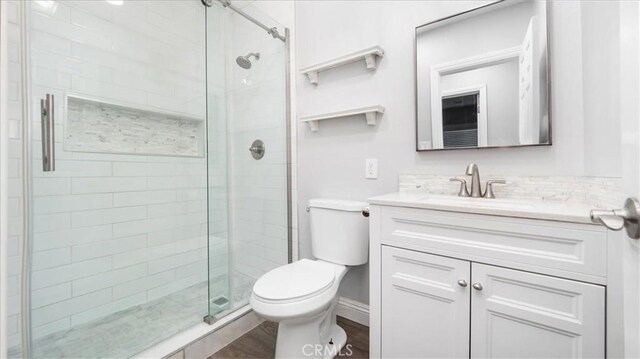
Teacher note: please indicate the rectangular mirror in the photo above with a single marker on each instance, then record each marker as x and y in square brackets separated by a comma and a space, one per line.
[482, 78]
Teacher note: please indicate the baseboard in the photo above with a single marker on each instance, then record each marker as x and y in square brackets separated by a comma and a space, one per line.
[354, 311]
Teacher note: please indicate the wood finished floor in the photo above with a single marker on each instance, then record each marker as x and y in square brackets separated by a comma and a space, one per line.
[260, 342]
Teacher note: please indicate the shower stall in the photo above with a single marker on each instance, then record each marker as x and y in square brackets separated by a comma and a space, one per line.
[153, 171]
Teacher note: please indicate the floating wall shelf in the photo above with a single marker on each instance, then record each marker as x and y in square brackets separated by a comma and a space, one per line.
[372, 113]
[368, 55]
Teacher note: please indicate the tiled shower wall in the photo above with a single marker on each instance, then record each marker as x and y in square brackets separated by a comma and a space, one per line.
[112, 231]
[118, 230]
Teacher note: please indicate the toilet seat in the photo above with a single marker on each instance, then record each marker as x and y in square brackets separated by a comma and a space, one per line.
[295, 282]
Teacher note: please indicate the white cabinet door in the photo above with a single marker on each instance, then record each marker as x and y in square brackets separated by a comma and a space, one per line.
[425, 312]
[524, 315]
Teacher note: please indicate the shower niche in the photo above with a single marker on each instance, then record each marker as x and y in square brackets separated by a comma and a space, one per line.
[99, 126]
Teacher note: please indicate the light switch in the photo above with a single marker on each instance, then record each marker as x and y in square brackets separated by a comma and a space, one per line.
[371, 168]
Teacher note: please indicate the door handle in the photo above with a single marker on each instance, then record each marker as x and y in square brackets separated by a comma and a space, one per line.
[47, 124]
[626, 217]
[462, 283]
[477, 286]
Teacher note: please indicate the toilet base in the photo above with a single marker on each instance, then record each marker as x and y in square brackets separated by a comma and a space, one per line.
[318, 337]
[337, 342]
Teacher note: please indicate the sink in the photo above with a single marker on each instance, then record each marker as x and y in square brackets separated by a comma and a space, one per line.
[489, 203]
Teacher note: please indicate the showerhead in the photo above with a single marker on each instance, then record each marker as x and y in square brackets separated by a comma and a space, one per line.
[245, 62]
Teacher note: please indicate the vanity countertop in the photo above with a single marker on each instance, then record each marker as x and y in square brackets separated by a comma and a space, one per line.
[551, 210]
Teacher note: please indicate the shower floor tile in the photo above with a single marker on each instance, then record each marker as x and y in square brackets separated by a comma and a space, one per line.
[125, 333]
[128, 332]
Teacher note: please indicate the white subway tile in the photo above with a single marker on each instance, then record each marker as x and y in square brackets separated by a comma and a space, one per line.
[143, 198]
[108, 279]
[178, 260]
[51, 186]
[65, 308]
[51, 222]
[105, 248]
[174, 286]
[173, 235]
[69, 31]
[65, 273]
[143, 255]
[69, 237]
[143, 169]
[109, 184]
[74, 168]
[109, 215]
[49, 295]
[51, 258]
[51, 43]
[143, 284]
[71, 203]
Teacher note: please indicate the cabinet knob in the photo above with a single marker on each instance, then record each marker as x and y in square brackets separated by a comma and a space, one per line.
[477, 286]
[462, 283]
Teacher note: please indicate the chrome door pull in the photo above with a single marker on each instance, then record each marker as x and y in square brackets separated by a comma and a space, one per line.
[477, 286]
[47, 124]
[626, 217]
[462, 283]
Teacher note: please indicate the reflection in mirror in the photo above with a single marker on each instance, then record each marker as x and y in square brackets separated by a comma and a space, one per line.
[482, 78]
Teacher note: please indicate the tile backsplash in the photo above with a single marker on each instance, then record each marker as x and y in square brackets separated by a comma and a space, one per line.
[601, 192]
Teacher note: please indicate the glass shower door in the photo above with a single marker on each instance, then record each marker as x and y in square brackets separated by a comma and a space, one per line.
[119, 229]
[248, 188]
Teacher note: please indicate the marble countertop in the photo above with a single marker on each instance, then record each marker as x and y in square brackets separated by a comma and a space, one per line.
[564, 211]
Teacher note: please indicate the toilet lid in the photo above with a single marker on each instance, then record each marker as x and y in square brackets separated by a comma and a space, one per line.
[303, 278]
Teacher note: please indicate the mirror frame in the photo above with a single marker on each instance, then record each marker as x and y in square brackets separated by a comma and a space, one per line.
[549, 87]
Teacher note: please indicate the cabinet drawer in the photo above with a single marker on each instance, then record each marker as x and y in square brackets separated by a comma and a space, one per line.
[556, 248]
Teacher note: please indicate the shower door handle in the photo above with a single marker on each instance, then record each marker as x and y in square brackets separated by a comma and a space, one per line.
[47, 123]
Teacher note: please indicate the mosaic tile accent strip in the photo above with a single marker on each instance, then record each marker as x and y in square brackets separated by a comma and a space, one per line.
[600, 192]
[94, 126]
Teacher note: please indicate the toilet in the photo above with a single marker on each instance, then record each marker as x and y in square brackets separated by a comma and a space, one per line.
[302, 296]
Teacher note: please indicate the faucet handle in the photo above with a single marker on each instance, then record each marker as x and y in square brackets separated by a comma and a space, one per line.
[464, 192]
[488, 193]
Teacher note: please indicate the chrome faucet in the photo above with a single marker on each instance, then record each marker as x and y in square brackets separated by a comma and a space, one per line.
[472, 170]
[476, 190]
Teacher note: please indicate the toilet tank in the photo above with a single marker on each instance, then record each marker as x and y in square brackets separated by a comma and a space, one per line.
[339, 231]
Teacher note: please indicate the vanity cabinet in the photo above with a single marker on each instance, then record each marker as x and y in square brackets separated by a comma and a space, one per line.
[439, 307]
[460, 285]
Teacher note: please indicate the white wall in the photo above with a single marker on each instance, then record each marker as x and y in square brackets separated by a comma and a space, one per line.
[331, 161]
